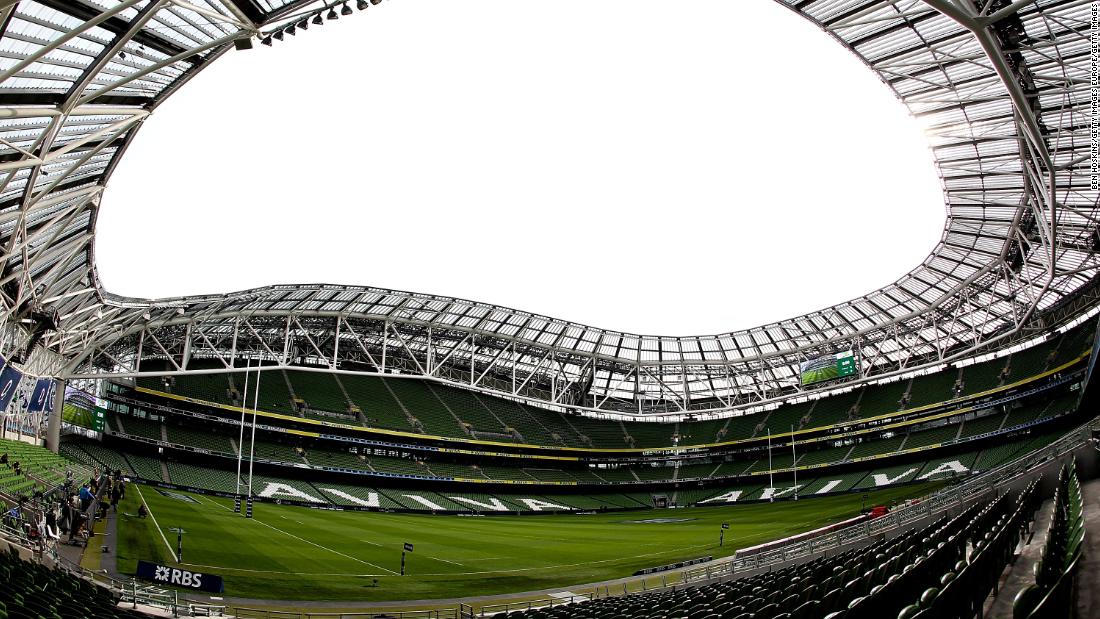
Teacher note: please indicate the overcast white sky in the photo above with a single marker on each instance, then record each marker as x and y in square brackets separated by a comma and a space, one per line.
[655, 167]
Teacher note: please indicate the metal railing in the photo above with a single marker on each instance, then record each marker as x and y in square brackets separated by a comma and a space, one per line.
[262, 613]
[139, 594]
[488, 610]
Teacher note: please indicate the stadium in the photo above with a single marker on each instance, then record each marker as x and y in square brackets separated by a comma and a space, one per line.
[927, 449]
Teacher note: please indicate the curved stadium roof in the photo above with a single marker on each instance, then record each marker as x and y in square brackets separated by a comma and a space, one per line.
[1003, 88]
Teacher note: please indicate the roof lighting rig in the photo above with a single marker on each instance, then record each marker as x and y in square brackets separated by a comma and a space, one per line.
[317, 17]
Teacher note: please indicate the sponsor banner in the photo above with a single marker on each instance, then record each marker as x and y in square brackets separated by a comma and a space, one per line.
[51, 395]
[40, 395]
[9, 382]
[177, 496]
[176, 577]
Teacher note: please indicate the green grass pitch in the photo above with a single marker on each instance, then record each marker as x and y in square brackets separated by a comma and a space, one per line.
[295, 553]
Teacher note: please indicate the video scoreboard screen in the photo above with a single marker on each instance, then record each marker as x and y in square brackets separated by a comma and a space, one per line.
[832, 367]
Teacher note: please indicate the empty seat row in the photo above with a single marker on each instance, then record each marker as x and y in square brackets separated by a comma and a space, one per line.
[1054, 591]
[878, 580]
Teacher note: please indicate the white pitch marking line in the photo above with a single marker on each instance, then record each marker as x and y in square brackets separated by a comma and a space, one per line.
[241, 569]
[511, 571]
[171, 551]
[445, 560]
[315, 544]
[367, 541]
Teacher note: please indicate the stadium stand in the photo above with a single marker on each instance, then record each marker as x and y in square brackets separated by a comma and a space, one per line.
[931, 436]
[417, 406]
[873, 448]
[320, 391]
[212, 387]
[39, 469]
[882, 399]
[784, 418]
[744, 475]
[824, 456]
[201, 477]
[380, 409]
[1053, 593]
[102, 455]
[425, 408]
[982, 425]
[137, 426]
[1028, 362]
[932, 566]
[981, 377]
[1073, 344]
[213, 441]
[300, 449]
[32, 590]
[932, 388]
[835, 409]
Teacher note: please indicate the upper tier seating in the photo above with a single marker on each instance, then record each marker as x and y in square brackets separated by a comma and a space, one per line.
[932, 388]
[300, 450]
[984, 376]
[409, 404]
[319, 391]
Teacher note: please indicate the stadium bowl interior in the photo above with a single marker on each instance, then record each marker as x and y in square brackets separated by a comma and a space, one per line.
[891, 455]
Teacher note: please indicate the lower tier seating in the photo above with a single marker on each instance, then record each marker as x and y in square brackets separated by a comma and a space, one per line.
[33, 590]
[948, 567]
[1053, 592]
[540, 489]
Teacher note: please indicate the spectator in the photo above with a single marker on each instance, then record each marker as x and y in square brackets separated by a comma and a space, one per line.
[85, 497]
[13, 516]
[51, 530]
